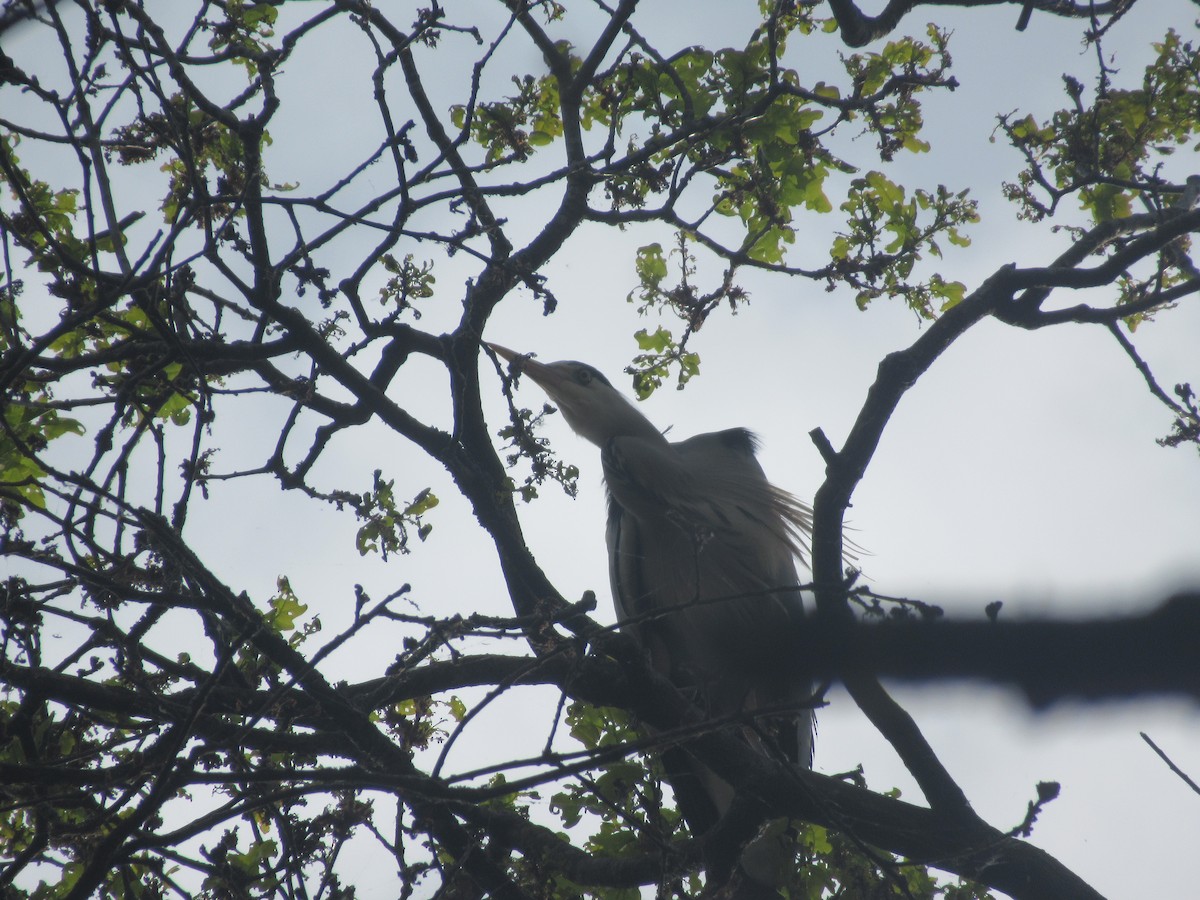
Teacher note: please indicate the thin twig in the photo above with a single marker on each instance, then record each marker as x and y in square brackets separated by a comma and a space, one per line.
[1141, 366]
[1174, 768]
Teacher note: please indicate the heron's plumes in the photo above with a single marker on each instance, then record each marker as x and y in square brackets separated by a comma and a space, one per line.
[734, 488]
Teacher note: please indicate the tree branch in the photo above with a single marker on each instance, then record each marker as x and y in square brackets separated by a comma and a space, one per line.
[859, 29]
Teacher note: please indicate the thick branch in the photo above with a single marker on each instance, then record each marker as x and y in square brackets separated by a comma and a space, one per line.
[1048, 660]
[859, 29]
[897, 372]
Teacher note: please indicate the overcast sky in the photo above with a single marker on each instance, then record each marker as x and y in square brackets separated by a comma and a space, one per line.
[1022, 467]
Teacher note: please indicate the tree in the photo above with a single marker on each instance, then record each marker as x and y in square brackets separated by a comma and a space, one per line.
[230, 236]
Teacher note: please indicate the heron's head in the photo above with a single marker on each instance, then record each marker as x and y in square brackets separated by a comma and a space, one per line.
[592, 407]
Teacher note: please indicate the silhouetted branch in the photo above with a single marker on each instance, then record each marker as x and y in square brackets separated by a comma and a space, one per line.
[1171, 765]
[859, 29]
[1049, 661]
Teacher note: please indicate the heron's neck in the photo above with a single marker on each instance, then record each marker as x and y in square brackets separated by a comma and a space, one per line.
[637, 425]
[619, 419]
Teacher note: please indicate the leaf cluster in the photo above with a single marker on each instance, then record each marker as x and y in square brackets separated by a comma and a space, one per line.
[1108, 152]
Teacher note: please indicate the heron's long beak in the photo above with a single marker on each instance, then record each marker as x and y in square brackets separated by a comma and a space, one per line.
[542, 375]
[510, 356]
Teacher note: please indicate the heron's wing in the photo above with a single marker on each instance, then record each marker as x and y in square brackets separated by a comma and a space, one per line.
[711, 482]
[695, 527]
[782, 525]
[724, 465]
[706, 523]
[646, 481]
[624, 546]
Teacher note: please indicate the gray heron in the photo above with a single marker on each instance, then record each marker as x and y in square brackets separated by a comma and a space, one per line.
[702, 562]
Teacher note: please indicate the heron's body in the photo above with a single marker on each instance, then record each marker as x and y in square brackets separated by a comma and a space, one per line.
[702, 562]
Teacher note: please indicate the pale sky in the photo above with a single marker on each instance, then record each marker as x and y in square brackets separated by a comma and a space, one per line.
[1022, 467]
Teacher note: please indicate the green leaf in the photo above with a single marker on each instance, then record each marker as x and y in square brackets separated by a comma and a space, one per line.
[285, 608]
[422, 503]
[817, 838]
[1107, 202]
[657, 342]
[650, 264]
[263, 14]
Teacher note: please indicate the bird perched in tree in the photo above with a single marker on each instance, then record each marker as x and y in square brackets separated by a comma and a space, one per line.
[702, 550]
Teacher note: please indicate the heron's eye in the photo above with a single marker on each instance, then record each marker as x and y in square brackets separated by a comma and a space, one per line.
[583, 376]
